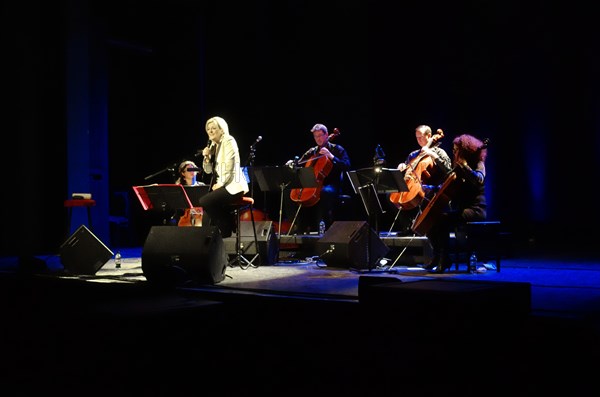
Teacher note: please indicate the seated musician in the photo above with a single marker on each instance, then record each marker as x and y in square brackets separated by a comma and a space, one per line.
[188, 176]
[421, 172]
[467, 197]
[309, 216]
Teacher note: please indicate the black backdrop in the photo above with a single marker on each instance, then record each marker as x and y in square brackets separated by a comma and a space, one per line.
[522, 75]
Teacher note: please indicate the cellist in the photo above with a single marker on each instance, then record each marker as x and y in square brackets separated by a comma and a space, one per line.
[188, 176]
[308, 217]
[423, 171]
[466, 194]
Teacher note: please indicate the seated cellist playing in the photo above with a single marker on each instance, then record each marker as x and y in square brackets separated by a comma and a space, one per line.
[314, 209]
[466, 194]
[188, 176]
[421, 172]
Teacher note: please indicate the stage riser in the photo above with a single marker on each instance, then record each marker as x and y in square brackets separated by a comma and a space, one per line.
[418, 250]
[442, 303]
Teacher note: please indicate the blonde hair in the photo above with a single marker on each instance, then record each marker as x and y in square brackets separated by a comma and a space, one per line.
[220, 122]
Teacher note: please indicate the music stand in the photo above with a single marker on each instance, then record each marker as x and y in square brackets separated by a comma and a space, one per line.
[195, 193]
[368, 182]
[163, 197]
[279, 178]
[385, 180]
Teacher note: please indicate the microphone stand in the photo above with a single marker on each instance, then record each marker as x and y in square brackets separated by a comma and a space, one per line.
[250, 165]
[171, 168]
[249, 169]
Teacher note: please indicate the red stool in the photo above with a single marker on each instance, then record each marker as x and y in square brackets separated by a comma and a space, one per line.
[239, 258]
[72, 203]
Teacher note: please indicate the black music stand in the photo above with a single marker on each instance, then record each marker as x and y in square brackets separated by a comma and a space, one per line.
[368, 183]
[166, 198]
[385, 180]
[195, 193]
[280, 178]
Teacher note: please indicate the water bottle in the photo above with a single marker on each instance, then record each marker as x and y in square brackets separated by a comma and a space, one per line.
[322, 227]
[118, 260]
[473, 263]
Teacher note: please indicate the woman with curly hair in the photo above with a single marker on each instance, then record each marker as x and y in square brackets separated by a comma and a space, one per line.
[467, 197]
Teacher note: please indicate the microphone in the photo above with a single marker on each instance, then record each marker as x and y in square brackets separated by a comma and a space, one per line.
[311, 150]
[256, 141]
[210, 144]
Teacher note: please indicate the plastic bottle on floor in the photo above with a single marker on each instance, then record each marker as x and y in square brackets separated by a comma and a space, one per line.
[322, 227]
[118, 260]
[473, 264]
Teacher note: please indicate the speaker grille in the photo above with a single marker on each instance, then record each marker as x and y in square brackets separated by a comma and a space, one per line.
[353, 244]
[175, 255]
[83, 253]
[268, 245]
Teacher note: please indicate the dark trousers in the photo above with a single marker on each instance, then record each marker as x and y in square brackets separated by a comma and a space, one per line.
[451, 221]
[218, 210]
[309, 217]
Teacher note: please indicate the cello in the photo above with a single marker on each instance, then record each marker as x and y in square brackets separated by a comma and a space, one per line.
[425, 220]
[191, 217]
[259, 215]
[416, 169]
[309, 196]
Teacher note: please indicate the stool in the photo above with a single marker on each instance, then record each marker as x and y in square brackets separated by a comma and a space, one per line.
[72, 203]
[239, 258]
[481, 238]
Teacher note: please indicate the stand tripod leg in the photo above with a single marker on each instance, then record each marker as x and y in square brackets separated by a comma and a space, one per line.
[280, 213]
[294, 220]
[239, 258]
[257, 255]
[401, 252]
[395, 219]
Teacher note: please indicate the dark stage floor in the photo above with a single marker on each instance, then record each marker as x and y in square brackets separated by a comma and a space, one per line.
[300, 327]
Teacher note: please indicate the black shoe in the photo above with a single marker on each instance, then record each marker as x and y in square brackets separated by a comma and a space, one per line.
[444, 264]
[226, 233]
[435, 261]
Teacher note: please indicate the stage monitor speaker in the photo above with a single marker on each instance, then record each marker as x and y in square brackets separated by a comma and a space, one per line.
[268, 244]
[352, 244]
[173, 255]
[83, 253]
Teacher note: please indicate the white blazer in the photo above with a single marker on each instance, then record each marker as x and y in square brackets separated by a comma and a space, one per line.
[227, 166]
